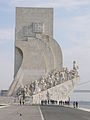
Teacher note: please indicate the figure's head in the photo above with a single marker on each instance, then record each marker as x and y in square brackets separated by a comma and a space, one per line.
[74, 62]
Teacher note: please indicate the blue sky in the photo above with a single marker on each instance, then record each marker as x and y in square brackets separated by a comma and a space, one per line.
[71, 30]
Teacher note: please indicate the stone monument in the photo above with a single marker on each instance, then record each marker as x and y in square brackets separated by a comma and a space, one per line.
[36, 52]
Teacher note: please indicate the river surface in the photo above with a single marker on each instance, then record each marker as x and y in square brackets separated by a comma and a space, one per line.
[83, 104]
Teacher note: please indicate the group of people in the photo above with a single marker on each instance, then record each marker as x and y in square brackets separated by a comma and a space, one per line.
[75, 104]
[48, 102]
[54, 102]
[64, 103]
[61, 103]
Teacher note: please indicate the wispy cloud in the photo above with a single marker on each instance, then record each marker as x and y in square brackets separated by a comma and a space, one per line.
[75, 28]
[51, 3]
[6, 34]
[5, 6]
[74, 32]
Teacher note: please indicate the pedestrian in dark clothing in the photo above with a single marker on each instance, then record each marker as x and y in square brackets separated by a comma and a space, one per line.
[76, 104]
[41, 102]
[48, 102]
[63, 103]
[20, 102]
[23, 102]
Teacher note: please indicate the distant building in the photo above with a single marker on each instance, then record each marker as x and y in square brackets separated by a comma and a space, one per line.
[4, 92]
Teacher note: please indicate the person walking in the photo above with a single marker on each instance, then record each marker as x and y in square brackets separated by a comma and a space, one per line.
[23, 101]
[74, 104]
[20, 101]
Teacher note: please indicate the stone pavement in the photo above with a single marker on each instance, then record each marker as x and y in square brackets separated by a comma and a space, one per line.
[63, 113]
[20, 113]
[17, 112]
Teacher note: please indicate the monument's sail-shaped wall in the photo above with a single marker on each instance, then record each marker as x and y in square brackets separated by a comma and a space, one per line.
[36, 52]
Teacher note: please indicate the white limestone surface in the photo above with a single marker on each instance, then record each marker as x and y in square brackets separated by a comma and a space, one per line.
[59, 92]
[36, 52]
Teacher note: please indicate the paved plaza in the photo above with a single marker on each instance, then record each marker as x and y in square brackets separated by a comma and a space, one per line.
[64, 113]
[42, 113]
[20, 113]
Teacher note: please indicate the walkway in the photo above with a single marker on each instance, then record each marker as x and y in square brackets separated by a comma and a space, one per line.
[40, 112]
[20, 113]
[64, 113]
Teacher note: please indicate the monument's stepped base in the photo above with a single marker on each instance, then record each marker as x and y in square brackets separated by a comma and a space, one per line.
[59, 92]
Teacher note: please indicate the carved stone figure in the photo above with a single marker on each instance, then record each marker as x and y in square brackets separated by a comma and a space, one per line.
[32, 87]
[37, 89]
[75, 66]
[62, 75]
[47, 95]
[66, 74]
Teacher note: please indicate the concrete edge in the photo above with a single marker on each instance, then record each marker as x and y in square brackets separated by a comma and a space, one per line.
[79, 108]
[4, 105]
[84, 109]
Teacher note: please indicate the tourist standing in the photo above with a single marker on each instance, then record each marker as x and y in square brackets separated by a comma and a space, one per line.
[74, 104]
[20, 101]
[23, 101]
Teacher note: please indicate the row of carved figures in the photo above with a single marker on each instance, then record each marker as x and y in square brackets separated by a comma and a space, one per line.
[52, 79]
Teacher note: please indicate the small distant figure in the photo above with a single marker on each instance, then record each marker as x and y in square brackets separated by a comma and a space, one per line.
[23, 101]
[63, 103]
[45, 102]
[56, 102]
[48, 102]
[60, 102]
[20, 101]
[74, 104]
[75, 66]
[20, 114]
[41, 102]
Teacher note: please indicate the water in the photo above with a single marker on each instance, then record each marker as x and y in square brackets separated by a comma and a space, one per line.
[84, 104]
